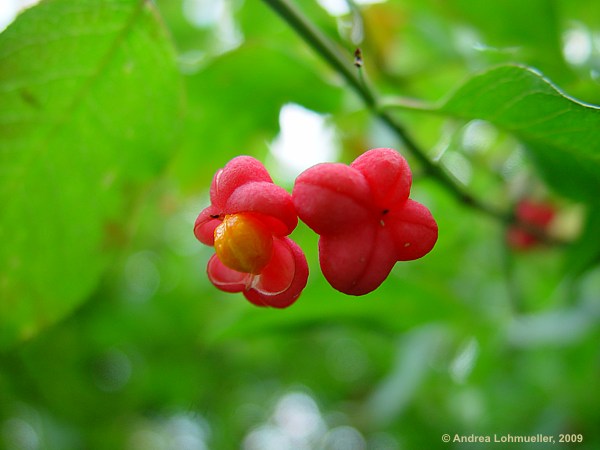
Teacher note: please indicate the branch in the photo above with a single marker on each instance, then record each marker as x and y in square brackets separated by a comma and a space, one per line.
[338, 61]
[328, 51]
[322, 45]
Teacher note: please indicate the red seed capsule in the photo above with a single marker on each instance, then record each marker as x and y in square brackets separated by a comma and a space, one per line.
[364, 216]
[248, 222]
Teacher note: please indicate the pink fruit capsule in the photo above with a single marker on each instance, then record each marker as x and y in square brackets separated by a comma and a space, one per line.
[248, 222]
[364, 217]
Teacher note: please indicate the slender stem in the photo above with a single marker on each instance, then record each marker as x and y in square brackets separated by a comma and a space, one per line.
[512, 286]
[322, 45]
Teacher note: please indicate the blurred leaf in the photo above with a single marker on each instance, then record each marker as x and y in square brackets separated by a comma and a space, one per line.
[585, 252]
[560, 327]
[534, 42]
[413, 362]
[234, 105]
[561, 134]
[258, 21]
[90, 96]
[187, 35]
[394, 307]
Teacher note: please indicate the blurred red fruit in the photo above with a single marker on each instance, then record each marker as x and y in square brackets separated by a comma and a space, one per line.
[536, 214]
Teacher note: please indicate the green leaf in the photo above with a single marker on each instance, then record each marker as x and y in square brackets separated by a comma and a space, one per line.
[394, 307]
[561, 134]
[533, 42]
[234, 104]
[584, 253]
[90, 95]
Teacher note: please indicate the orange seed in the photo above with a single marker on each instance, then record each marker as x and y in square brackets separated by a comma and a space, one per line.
[244, 243]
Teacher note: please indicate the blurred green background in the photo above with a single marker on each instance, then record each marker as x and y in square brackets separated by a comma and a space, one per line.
[114, 116]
